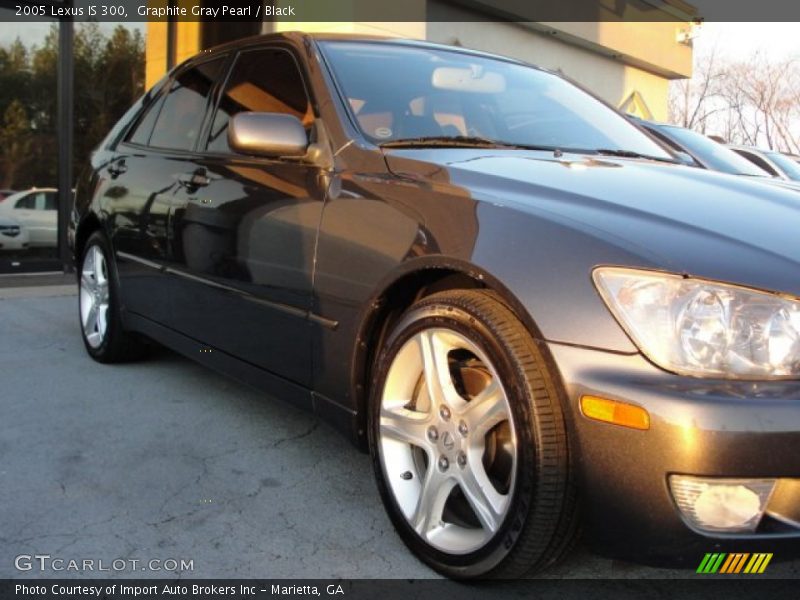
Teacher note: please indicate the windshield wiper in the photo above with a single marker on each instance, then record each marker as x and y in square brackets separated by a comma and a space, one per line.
[457, 141]
[632, 154]
[465, 141]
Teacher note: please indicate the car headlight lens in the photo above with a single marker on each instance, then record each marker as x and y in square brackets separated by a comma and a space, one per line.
[704, 328]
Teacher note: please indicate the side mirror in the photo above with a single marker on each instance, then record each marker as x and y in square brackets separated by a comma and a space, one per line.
[267, 134]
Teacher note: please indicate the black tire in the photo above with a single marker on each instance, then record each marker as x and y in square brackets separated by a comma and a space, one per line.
[117, 345]
[540, 523]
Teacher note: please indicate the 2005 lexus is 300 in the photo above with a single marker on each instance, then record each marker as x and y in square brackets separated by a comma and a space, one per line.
[537, 320]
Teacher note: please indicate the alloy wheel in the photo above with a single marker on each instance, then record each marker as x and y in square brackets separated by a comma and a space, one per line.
[447, 440]
[94, 296]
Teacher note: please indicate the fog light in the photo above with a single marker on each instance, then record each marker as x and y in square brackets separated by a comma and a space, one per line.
[729, 505]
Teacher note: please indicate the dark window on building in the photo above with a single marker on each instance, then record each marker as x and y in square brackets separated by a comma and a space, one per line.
[181, 116]
[261, 81]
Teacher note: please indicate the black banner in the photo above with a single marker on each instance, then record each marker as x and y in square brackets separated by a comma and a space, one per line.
[392, 589]
[300, 11]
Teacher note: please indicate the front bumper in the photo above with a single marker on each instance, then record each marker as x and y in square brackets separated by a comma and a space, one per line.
[708, 428]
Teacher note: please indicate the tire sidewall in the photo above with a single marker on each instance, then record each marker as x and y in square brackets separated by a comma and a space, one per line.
[483, 560]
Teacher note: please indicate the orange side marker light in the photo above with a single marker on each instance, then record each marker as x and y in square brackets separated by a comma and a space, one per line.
[616, 413]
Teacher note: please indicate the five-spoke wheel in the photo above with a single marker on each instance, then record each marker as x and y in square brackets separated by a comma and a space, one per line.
[468, 439]
[447, 440]
[94, 296]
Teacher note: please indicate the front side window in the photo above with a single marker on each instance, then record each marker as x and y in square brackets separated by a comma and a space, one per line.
[181, 116]
[261, 81]
[399, 92]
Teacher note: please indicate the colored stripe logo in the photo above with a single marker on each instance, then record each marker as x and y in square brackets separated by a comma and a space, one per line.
[734, 563]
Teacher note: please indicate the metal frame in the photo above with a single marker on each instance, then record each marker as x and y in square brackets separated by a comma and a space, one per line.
[66, 97]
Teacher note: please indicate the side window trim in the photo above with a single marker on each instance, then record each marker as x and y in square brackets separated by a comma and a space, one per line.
[156, 102]
[160, 99]
[213, 101]
[206, 132]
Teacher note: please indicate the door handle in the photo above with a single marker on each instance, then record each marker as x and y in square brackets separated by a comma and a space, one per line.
[115, 169]
[194, 180]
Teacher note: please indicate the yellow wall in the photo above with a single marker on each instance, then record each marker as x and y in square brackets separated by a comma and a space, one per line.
[652, 45]
[187, 43]
[155, 52]
[411, 29]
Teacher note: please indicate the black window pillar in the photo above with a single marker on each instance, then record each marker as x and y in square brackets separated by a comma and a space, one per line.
[66, 88]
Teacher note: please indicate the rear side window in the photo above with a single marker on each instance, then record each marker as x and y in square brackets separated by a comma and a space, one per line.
[261, 81]
[181, 115]
[51, 201]
[28, 202]
[141, 133]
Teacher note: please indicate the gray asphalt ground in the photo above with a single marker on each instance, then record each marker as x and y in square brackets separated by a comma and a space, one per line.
[163, 459]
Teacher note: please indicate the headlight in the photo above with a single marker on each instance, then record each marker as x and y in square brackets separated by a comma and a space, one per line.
[704, 328]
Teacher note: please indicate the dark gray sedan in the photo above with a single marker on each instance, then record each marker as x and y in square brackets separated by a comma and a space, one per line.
[536, 320]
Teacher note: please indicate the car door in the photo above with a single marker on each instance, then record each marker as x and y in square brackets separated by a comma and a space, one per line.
[24, 211]
[245, 228]
[142, 180]
[49, 218]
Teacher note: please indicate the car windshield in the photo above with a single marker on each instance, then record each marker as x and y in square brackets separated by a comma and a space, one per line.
[426, 96]
[787, 164]
[713, 154]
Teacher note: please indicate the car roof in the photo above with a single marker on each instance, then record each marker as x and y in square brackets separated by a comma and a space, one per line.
[22, 193]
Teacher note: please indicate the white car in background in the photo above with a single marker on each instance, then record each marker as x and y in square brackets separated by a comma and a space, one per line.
[36, 210]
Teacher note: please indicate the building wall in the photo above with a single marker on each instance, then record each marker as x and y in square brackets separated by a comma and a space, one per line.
[613, 59]
[610, 79]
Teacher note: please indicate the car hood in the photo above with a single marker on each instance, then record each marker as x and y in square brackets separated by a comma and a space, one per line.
[674, 217]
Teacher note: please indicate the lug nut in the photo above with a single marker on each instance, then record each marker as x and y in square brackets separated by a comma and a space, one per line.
[462, 428]
[433, 434]
[443, 463]
[461, 459]
[444, 412]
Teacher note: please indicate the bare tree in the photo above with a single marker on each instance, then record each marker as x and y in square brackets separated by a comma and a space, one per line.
[754, 101]
[691, 101]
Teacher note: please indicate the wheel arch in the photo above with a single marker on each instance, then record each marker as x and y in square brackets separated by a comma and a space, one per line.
[412, 283]
[86, 227]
